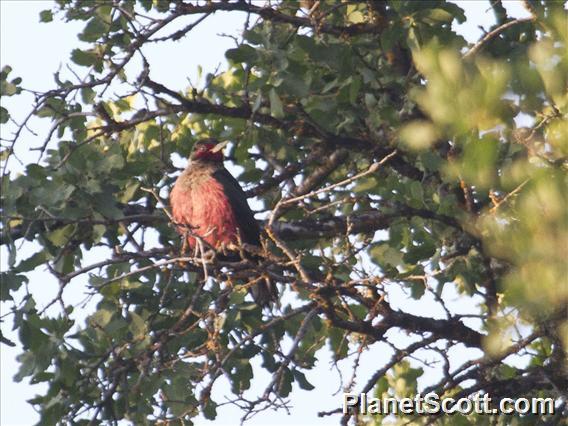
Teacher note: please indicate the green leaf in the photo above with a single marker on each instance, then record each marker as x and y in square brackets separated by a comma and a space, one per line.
[4, 116]
[276, 107]
[420, 252]
[293, 85]
[419, 134]
[210, 410]
[9, 89]
[391, 36]
[101, 318]
[479, 160]
[116, 327]
[105, 204]
[365, 184]
[268, 362]
[34, 260]
[88, 95]
[456, 11]
[311, 262]
[65, 264]
[27, 362]
[112, 162]
[94, 29]
[129, 191]
[417, 289]
[146, 4]
[61, 236]
[241, 376]
[417, 194]
[243, 53]
[431, 160]
[440, 15]
[381, 388]
[84, 58]
[6, 70]
[383, 254]
[285, 383]
[10, 282]
[31, 335]
[46, 16]
[354, 89]
[257, 103]
[251, 175]
[302, 381]
[137, 325]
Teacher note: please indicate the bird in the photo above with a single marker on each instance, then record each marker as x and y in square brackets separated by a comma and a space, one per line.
[208, 201]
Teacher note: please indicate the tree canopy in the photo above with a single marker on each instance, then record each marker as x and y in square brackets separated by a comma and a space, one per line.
[411, 188]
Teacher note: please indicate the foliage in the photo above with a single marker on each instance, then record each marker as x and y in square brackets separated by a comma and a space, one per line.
[387, 155]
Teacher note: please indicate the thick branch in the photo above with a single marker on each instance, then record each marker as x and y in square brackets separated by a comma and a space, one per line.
[451, 329]
[205, 107]
[274, 15]
[358, 222]
[319, 175]
[245, 112]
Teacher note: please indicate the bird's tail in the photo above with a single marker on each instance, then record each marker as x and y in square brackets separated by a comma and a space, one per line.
[265, 293]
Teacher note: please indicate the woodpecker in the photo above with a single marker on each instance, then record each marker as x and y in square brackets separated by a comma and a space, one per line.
[207, 201]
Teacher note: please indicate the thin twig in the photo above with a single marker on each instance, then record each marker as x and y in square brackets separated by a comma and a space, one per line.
[508, 196]
[372, 169]
[492, 34]
[299, 336]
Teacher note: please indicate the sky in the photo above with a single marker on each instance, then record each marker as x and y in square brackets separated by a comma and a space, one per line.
[43, 49]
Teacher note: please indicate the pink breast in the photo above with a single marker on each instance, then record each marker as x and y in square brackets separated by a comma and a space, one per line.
[207, 210]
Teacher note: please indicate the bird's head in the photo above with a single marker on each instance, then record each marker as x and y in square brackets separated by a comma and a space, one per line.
[208, 150]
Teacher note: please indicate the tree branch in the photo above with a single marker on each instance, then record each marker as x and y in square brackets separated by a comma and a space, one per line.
[271, 14]
[492, 34]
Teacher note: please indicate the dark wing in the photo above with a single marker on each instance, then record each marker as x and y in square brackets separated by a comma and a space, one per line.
[248, 225]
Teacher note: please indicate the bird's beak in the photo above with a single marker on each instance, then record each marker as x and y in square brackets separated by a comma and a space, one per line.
[219, 146]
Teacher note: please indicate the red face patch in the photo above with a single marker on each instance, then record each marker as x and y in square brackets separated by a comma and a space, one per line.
[203, 151]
